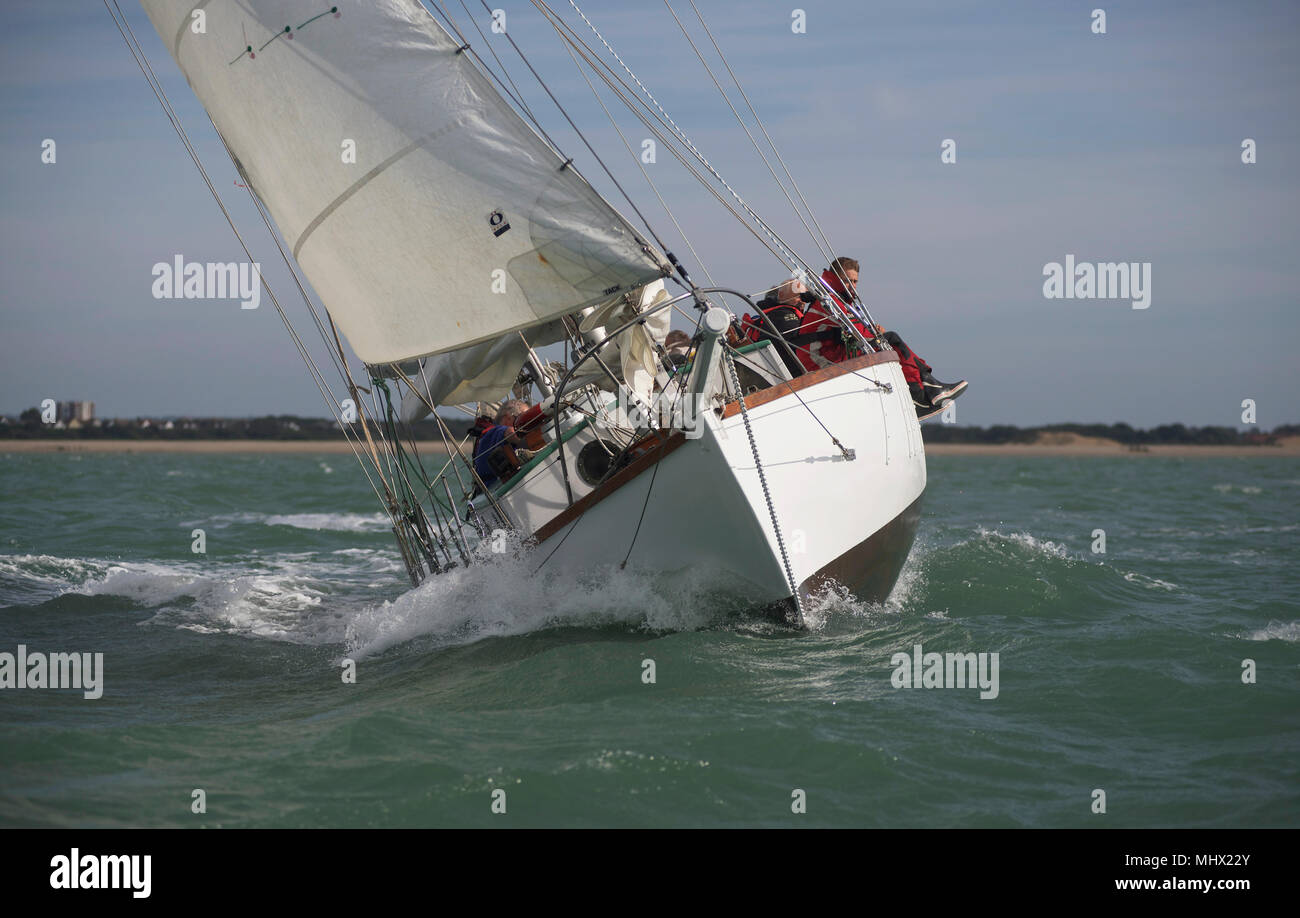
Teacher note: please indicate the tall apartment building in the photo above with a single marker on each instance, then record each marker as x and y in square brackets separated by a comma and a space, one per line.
[79, 411]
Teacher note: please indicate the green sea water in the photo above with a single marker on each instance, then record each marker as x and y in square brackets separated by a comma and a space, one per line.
[1119, 671]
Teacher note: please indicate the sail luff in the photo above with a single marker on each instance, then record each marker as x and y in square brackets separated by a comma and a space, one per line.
[425, 211]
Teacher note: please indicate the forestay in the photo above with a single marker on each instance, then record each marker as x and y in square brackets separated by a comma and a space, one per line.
[425, 212]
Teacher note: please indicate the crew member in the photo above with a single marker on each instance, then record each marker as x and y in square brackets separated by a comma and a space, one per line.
[785, 309]
[928, 393]
[500, 451]
[676, 346]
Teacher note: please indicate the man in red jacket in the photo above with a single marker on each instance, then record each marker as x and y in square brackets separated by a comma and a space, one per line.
[928, 393]
[785, 315]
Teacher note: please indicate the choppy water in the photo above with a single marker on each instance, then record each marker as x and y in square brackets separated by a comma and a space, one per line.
[1118, 671]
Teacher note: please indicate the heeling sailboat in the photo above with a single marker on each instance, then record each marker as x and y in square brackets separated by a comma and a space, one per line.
[448, 238]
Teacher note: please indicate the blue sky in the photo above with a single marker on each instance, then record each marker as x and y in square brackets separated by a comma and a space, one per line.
[1117, 147]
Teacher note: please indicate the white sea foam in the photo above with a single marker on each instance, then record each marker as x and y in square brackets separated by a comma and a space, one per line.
[832, 600]
[1025, 540]
[1151, 583]
[49, 568]
[1244, 489]
[301, 597]
[337, 597]
[223, 520]
[373, 560]
[835, 600]
[265, 606]
[280, 597]
[339, 522]
[500, 595]
[37, 578]
[330, 597]
[911, 579]
[335, 522]
[146, 583]
[1276, 631]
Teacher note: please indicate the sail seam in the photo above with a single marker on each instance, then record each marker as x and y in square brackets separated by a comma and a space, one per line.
[185, 21]
[365, 179]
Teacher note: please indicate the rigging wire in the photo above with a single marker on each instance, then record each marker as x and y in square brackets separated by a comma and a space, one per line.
[517, 97]
[137, 52]
[789, 256]
[624, 94]
[583, 137]
[396, 470]
[743, 126]
[500, 63]
[681, 135]
[341, 363]
[825, 244]
[759, 121]
[478, 59]
[446, 432]
[653, 187]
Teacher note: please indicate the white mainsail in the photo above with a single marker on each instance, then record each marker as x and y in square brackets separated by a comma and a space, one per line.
[425, 212]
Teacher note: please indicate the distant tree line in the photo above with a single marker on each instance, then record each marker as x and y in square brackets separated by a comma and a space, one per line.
[292, 427]
[271, 427]
[1164, 435]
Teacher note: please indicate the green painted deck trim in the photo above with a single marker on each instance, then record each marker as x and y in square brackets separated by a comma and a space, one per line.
[753, 346]
[743, 349]
[537, 460]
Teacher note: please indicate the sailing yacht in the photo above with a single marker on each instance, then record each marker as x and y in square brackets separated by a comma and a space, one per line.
[451, 242]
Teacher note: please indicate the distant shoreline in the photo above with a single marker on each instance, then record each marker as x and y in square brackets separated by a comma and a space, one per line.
[190, 446]
[1287, 448]
[1075, 447]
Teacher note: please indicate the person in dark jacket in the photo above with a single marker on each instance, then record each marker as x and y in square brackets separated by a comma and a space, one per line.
[784, 311]
[500, 451]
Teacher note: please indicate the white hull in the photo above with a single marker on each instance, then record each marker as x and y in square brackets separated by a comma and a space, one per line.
[848, 520]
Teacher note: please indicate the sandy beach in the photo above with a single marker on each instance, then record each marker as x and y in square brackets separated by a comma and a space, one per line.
[1069, 444]
[1049, 445]
[1114, 449]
